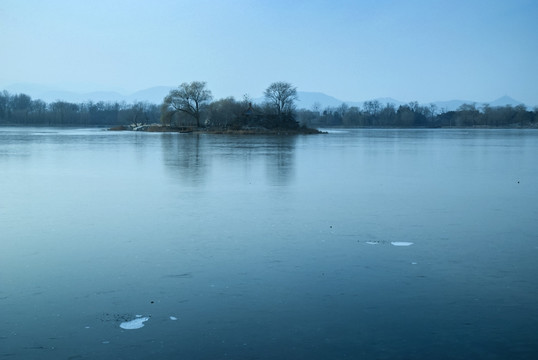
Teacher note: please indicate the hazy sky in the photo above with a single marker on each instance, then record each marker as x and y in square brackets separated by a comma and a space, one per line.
[354, 50]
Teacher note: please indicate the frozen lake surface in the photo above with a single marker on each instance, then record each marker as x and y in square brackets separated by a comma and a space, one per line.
[386, 244]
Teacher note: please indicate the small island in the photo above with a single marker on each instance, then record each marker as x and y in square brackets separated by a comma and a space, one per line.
[189, 109]
[302, 130]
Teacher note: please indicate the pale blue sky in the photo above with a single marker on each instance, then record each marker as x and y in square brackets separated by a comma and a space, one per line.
[423, 50]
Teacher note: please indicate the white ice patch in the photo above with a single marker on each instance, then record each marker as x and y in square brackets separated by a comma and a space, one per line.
[372, 242]
[401, 243]
[134, 324]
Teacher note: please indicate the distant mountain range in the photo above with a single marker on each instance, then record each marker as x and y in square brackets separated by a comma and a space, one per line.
[48, 94]
[307, 100]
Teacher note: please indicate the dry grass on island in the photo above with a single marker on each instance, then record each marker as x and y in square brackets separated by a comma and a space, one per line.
[301, 130]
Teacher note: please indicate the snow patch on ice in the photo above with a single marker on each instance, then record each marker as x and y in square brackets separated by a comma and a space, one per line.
[134, 324]
[401, 243]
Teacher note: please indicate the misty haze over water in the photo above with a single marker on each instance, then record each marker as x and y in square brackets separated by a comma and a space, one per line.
[352, 244]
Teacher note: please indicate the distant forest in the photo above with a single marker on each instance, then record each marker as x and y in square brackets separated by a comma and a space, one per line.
[375, 114]
[21, 109]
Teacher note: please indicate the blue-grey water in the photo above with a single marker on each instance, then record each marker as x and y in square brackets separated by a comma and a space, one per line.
[266, 247]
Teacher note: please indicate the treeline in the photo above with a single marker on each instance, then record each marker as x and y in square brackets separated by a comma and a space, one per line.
[374, 114]
[192, 105]
[21, 109]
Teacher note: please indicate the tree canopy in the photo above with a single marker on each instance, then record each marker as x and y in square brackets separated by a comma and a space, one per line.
[190, 99]
[281, 96]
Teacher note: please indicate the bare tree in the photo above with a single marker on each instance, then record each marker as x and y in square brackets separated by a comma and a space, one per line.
[316, 107]
[281, 97]
[190, 99]
[372, 107]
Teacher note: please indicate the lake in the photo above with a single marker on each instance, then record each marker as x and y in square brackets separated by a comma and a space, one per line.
[356, 244]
